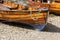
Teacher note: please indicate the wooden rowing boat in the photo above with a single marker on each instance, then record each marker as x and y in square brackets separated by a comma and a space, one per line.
[24, 14]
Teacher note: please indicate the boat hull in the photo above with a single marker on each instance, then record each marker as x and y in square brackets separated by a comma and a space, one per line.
[24, 17]
[36, 19]
[55, 7]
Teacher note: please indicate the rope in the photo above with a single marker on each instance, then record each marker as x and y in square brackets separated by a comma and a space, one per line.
[32, 15]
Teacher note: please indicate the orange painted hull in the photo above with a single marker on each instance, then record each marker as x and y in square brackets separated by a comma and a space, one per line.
[55, 7]
[24, 17]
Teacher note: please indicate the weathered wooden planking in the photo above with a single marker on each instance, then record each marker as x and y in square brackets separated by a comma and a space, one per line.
[24, 17]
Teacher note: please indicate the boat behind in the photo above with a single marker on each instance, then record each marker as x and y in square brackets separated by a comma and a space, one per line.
[55, 7]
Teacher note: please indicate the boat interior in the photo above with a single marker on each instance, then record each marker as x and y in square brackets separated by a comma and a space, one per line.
[28, 5]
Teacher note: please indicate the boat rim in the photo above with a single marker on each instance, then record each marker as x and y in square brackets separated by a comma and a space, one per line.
[41, 9]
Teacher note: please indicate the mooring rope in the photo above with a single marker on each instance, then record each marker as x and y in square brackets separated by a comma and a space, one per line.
[32, 15]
